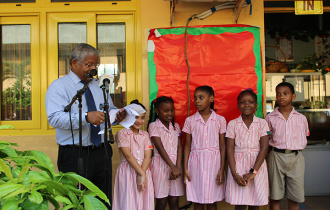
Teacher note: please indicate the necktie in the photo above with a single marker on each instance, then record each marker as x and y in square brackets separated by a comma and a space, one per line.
[95, 138]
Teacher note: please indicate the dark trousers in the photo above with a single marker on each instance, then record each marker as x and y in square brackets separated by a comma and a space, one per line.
[94, 160]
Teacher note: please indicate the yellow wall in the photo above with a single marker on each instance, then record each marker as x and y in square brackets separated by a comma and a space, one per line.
[150, 14]
[156, 14]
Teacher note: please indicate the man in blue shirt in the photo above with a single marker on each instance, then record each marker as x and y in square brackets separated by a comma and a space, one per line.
[59, 94]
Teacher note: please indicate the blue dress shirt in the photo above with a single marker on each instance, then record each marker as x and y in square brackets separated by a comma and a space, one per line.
[59, 95]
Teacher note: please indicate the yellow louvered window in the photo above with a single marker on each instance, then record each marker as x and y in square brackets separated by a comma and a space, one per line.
[19, 69]
[111, 43]
[69, 36]
[16, 72]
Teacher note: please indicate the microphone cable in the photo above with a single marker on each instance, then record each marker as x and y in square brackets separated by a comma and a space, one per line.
[202, 16]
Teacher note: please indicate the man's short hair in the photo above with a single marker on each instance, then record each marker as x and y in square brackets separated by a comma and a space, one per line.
[81, 51]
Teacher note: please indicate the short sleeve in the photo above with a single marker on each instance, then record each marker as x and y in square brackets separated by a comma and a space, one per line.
[153, 131]
[187, 126]
[264, 128]
[147, 142]
[267, 118]
[122, 139]
[231, 130]
[223, 127]
[177, 128]
[306, 128]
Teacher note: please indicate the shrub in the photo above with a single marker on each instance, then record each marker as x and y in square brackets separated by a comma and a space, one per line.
[24, 188]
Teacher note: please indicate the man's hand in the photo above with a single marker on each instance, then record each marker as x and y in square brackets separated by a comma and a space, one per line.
[120, 115]
[95, 117]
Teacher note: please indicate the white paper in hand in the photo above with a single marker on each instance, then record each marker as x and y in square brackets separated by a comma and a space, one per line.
[113, 114]
[129, 119]
[101, 132]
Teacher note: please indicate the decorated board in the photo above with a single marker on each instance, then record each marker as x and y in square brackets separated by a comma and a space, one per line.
[225, 57]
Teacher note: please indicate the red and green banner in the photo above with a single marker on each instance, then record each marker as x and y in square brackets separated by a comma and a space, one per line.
[225, 57]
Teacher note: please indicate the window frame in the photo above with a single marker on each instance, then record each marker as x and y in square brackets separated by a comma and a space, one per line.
[92, 19]
[24, 6]
[33, 21]
[111, 5]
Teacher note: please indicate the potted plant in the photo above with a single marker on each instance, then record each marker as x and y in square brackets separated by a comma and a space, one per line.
[24, 188]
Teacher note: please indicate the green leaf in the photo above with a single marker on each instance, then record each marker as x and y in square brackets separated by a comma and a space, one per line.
[39, 187]
[62, 199]
[54, 186]
[91, 193]
[43, 160]
[50, 173]
[7, 127]
[35, 197]
[20, 160]
[54, 202]
[74, 189]
[65, 180]
[7, 188]
[6, 169]
[29, 205]
[93, 203]
[6, 142]
[88, 184]
[10, 204]
[25, 169]
[68, 207]
[17, 192]
[73, 198]
[9, 151]
[35, 177]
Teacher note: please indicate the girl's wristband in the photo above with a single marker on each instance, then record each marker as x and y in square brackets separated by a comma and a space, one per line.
[236, 175]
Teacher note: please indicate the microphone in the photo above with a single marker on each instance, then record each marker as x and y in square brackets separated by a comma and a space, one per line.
[105, 81]
[91, 73]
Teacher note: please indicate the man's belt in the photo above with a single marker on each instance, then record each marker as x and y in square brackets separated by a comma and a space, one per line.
[285, 151]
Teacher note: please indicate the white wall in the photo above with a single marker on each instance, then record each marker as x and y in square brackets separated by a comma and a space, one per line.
[317, 170]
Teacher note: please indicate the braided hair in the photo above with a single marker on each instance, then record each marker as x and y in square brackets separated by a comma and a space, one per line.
[208, 90]
[154, 105]
[249, 91]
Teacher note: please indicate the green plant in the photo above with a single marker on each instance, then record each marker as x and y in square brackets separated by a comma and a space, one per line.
[312, 62]
[17, 97]
[24, 188]
[309, 62]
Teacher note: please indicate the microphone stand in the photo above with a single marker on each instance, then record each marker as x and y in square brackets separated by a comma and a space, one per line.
[107, 123]
[68, 108]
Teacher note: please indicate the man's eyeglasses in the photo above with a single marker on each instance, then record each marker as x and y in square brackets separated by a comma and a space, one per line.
[90, 65]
